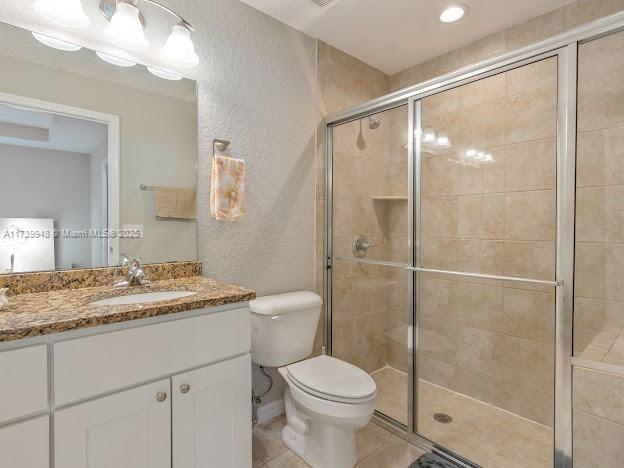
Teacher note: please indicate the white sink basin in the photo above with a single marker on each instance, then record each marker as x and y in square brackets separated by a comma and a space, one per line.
[143, 298]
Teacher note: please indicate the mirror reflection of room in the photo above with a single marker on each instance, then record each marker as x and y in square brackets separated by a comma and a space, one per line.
[94, 159]
[57, 190]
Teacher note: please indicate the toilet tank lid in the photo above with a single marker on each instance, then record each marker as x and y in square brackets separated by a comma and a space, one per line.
[278, 304]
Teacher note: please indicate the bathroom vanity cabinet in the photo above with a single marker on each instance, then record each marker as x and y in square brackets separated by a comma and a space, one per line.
[164, 392]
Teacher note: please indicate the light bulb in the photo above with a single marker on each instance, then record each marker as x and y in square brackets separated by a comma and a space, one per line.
[56, 43]
[125, 28]
[115, 60]
[68, 13]
[453, 13]
[165, 74]
[179, 50]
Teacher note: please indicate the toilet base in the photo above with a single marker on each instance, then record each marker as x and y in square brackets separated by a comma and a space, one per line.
[318, 443]
[325, 447]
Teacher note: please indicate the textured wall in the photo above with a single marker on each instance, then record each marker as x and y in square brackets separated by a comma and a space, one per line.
[256, 88]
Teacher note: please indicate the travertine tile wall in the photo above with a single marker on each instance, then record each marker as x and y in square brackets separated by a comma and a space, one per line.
[568, 17]
[492, 341]
[598, 419]
[369, 301]
[599, 287]
[599, 290]
[342, 81]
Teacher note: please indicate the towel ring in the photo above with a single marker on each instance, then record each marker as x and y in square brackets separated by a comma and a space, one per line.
[219, 145]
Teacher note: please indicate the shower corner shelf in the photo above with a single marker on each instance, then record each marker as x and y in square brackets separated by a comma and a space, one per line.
[390, 198]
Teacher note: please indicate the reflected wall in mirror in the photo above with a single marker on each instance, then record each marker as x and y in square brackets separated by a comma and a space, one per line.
[79, 138]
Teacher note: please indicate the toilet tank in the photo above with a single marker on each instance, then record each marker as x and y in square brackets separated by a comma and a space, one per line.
[283, 327]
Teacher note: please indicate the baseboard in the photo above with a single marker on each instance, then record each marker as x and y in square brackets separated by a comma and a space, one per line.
[269, 410]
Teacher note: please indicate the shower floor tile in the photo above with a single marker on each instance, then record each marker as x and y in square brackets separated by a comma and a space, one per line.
[480, 432]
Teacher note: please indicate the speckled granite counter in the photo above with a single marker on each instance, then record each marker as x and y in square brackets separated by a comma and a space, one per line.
[43, 313]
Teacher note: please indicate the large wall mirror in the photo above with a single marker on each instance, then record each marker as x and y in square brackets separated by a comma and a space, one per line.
[97, 158]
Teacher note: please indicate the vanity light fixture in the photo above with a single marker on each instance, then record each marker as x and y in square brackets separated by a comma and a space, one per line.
[127, 25]
[453, 13]
[115, 59]
[165, 74]
[56, 43]
[179, 49]
[68, 13]
[126, 29]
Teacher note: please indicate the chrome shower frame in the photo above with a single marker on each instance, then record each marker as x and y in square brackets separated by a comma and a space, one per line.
[564, 47]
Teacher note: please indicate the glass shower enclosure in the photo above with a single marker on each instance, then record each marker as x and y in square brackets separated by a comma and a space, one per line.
[450, 230]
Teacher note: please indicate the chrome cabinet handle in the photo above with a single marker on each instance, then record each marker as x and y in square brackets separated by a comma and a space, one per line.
[184, 388]
[161, 396]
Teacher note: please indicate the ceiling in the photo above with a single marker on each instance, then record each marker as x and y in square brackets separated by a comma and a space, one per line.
[19, 43]
[20, 126]
[392, 35]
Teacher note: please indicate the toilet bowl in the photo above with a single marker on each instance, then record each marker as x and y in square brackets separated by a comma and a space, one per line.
[326, 399]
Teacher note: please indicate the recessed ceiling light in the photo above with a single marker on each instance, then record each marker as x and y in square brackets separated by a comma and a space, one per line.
[56, 43]
[453, 13]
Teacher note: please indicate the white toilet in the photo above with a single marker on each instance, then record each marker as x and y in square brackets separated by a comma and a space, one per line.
[326, 399]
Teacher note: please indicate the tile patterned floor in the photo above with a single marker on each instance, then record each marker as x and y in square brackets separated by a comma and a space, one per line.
[376, 448]
[480, 432]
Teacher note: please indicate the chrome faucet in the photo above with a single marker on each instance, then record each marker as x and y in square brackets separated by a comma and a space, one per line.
[135, 275]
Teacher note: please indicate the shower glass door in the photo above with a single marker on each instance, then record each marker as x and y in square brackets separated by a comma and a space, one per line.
[370, 246]
[487, 206]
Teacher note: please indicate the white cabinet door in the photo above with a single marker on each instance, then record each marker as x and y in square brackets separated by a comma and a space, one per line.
[26, 444]
[129, 429]
[212, 416]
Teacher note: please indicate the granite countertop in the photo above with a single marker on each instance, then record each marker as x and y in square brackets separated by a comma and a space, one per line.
[43, 313]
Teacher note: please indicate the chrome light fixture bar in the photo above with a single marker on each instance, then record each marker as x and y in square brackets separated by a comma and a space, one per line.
[127, 25]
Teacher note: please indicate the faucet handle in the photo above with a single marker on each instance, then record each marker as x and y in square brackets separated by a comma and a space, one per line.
[123, 259]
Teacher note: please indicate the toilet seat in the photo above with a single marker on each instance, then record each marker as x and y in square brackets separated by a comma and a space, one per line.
[332, 379]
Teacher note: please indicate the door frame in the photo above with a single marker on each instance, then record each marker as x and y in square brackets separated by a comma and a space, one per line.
[113, 156]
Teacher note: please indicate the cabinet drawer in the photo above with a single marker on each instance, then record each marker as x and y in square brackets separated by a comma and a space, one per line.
[23, 382]
[26, 444]
[90, 366]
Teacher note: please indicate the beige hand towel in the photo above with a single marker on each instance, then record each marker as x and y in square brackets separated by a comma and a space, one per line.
[175, 202]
